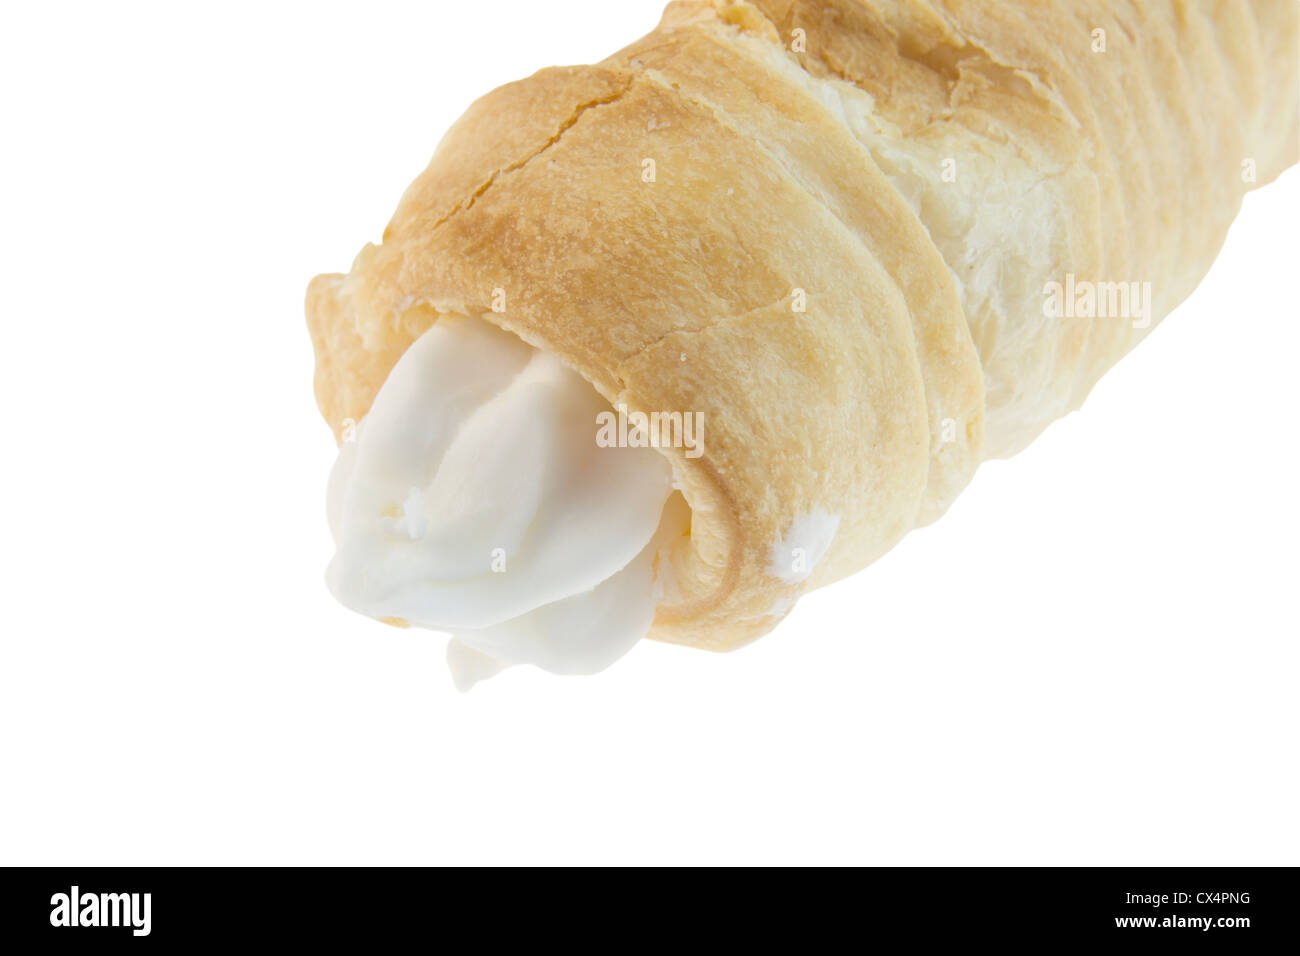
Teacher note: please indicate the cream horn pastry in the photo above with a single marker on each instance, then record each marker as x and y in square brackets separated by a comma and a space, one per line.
[826, 256]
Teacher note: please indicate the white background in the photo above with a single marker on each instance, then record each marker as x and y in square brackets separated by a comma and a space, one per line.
[1092, 659]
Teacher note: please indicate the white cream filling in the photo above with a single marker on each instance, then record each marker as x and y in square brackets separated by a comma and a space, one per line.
[474, 498]
[795, 555]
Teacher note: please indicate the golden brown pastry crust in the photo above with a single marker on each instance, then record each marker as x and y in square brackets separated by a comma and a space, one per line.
[785, 172]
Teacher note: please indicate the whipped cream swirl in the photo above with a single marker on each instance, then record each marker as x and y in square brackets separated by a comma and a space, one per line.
[474, 498]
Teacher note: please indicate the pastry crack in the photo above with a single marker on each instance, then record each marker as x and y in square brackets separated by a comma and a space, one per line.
[567, 125]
